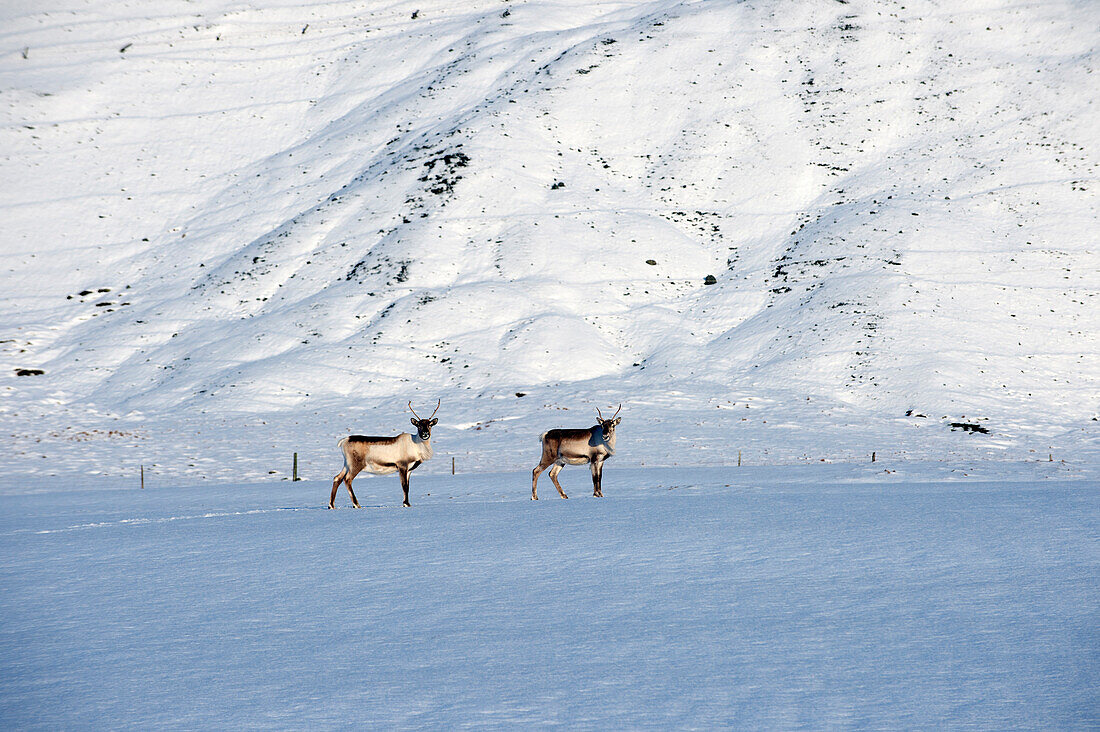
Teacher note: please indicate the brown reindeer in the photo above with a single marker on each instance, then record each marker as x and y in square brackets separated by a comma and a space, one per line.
[577, 447]
[384, 455]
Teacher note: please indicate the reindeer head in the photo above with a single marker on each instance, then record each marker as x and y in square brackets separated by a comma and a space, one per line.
[424, 426]
[608, 425]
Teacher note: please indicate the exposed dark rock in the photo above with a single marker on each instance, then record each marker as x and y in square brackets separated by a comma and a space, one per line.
[968, 427]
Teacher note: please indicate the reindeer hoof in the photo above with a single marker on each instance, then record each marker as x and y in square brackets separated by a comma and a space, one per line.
[534, 498]
[357, 506]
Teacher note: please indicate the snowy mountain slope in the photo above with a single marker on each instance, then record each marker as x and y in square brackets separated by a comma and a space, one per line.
[273, 223]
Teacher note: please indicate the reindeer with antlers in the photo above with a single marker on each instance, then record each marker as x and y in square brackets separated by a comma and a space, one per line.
[384, 455]
[577, 447]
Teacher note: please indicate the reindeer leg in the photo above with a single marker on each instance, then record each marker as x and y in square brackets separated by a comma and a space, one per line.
[554, 477]
[404, 473]
[335, 487]
[350, 476]
[535, 480]
[597, 478]
[548, 457]
[354, 500]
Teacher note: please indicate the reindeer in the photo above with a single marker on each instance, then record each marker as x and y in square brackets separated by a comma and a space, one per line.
[577, 447]
[384, 455]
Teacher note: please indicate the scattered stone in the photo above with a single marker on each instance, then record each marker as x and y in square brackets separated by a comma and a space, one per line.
[968, 427]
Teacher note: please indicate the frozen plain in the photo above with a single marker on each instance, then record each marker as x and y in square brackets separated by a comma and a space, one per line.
[799, 597]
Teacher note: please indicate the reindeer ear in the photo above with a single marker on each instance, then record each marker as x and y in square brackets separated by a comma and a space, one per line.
[413, 420]
[435, 422]
[617, 420]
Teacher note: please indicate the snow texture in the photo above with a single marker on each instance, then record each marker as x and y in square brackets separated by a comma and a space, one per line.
[805, 597]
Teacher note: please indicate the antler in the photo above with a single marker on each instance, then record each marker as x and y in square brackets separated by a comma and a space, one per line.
[612, 416]
[437, 403]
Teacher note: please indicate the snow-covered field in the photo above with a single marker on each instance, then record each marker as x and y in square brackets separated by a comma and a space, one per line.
[786, 236]
[757, 598]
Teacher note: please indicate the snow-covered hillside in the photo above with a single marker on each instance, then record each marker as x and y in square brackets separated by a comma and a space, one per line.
[237, 229]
